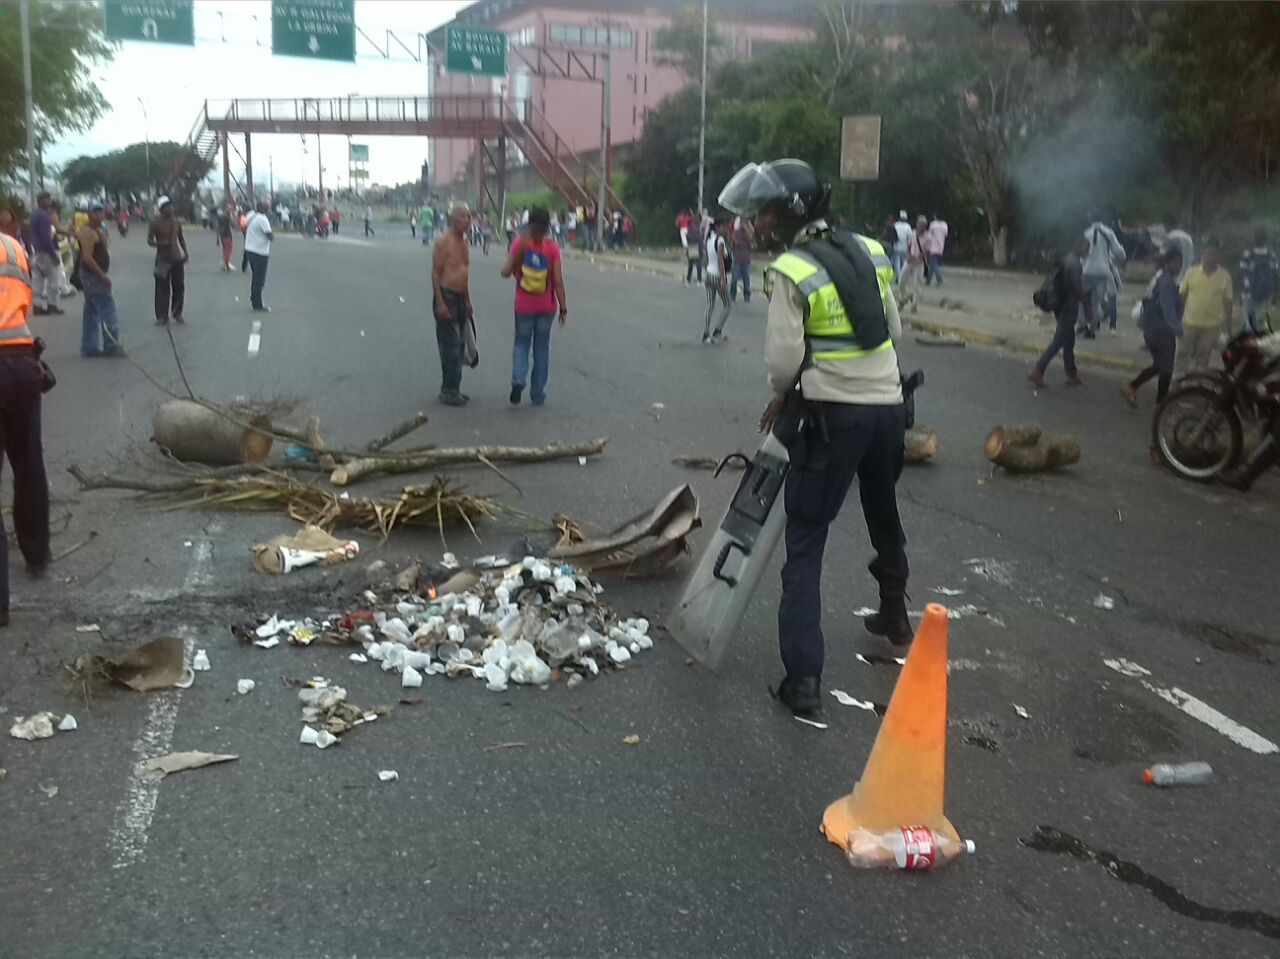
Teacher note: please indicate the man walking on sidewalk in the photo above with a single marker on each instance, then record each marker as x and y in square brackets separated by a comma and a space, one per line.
[46, 264]
[744, 238]
[257, 251]
[937, 243]
[1206, 291]
[1071, 295]
[451, 303]
[719, 262]
[165, 234]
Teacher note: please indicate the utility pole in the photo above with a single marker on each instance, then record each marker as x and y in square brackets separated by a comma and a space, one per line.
[146, 138]
[606, 122]
[24, 11]
[702, 123]
[271, 178]
[319, 168]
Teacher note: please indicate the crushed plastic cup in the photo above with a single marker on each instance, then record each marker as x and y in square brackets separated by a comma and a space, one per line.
[447, 652]
[410, 678]
[245, 686]
[496, 677]
[449, 561]
[592, 665]
[619, 654]
[374, 651]
[566, 584]
[541, 572]
[455, 633]
[200, 662]
[67, 724]
[473, 605]
[393, 656]
[642, 624]
[396, 631]
[388, 775]
[358, 658]
[634, 648]
[575, 679]
[416, 659]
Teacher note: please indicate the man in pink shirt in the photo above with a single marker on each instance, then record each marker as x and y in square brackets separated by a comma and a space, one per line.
[937, 241]
[535, 262]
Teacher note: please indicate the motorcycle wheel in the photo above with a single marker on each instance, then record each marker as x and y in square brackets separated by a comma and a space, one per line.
[1196, 437]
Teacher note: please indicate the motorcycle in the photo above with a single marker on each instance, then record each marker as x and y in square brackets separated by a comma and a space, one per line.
[1199, 428]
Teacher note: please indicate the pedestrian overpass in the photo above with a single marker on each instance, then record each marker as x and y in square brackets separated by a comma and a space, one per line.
[481, 118]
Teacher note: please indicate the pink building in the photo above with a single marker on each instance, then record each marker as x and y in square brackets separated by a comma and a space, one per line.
[629, 29]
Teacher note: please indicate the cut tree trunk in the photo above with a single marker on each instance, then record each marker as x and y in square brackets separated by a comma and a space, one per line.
[921, 445]
[1005, 437]
[195, 433]
[357, 469]
[396, 432]
[1054, 452]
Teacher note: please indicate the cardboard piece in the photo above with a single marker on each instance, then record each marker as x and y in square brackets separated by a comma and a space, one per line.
[161, 766]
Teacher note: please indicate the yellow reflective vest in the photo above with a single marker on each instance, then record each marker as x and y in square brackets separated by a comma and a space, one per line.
[827, 324]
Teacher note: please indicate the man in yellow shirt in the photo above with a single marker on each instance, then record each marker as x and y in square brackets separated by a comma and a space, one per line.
[1206, 290]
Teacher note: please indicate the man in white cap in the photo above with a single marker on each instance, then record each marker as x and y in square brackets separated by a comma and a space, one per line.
[165, 234]
[902, 228]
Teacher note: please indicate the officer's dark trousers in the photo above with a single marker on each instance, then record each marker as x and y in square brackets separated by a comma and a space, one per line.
[20, 442]
[866, 443]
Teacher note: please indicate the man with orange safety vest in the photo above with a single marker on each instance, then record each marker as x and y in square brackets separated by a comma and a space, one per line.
[21, 383]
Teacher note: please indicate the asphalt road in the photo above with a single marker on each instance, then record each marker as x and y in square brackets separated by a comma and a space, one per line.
[701, 841]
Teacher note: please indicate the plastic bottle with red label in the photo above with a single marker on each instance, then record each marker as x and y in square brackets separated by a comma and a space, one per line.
[910, 848]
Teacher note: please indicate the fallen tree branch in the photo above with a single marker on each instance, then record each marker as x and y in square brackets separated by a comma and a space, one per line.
[358, 469]
[397, 432]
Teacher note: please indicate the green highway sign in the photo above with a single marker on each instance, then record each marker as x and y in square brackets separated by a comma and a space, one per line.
[359, 153]
[155, 21]
[315, 29]
[479, 52]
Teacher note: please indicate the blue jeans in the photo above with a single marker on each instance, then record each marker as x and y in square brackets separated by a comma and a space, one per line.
[99, 314]
[1255, 314]
[740, 271]
[533, 329]
[899, 259]
[935, 269]
[1064, 339]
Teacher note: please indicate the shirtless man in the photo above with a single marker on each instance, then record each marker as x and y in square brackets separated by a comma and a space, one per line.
[451, 302]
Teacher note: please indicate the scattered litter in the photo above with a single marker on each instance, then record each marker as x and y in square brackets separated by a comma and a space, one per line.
[310, 547]
[947, 591]
[186, 543]
[410, 678]
[389, 775]
[89, 628]
[358, 658]
[1102, 601]
[491, 748]
[968, 610]
[200, 662]
[268, 629]
[449, 561]
[1022, 713]
[402, 299]
[159, 664]
[67, 724]
[632, 740]
[320, 738]
[582, 461]
[993, 569]
[49, 791]
[407, 578]
[864, 611]
[844, 699]
[245, 686]
[161, 766]
[659, 406]
[271, 643]
[1178, 774]
[39, 726]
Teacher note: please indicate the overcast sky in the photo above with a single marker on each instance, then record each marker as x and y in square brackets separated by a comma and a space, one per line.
[174, 81]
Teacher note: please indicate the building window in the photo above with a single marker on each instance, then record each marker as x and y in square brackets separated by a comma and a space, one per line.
[524, 37]
[564, 35]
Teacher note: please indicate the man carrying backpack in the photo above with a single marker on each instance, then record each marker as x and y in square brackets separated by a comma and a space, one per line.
[535, 262]
[1260, 278]
[1062, 295]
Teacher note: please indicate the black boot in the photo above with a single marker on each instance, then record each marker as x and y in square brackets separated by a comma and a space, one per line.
[891, 622]
[803, 696]
[1242, 477]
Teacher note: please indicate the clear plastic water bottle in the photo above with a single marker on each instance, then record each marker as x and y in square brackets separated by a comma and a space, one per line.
[911, 847]
[1178, 774]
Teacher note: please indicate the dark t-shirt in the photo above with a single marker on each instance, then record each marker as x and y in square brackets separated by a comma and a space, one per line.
[224, 225]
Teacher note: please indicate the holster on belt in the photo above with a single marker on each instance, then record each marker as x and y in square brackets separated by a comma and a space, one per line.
[802, 428]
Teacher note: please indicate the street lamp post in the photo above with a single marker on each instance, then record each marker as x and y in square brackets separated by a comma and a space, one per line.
[24, 12]
[146, 136]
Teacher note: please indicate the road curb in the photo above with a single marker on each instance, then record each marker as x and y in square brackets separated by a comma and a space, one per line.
[983, 338]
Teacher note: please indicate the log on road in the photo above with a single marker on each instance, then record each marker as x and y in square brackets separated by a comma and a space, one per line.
[357, 469]
[1004, 437]
[921, 445]
[1049, 454]
[396, 432]
[202, 433]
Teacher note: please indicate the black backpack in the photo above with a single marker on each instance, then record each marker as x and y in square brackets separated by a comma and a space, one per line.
[1051, 296]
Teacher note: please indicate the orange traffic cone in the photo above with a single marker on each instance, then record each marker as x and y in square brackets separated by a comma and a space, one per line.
[902, 783]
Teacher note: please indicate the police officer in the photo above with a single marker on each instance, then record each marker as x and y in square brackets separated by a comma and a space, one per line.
[21, 379]
[837, 403]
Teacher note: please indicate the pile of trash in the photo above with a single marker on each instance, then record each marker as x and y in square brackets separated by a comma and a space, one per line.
[496, 621]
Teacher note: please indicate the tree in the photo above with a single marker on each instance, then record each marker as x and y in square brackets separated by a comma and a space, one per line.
[679, 44]
[124, 172]
[66, 39]
[1202, 78]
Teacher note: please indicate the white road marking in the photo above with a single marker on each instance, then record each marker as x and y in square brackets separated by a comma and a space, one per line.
[132, 825]
[1197, 709]
[255, 338]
